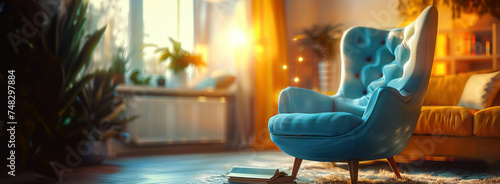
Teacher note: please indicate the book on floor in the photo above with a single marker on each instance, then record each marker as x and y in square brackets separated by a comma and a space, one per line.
[256, 175]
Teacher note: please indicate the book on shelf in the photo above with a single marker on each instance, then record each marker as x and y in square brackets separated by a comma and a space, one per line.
[471, 44]
[258, 175]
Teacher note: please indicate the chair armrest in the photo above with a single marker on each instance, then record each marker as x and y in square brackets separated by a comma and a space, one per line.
[299, 100]
[388, 123]
[342, 104]
[386, 100]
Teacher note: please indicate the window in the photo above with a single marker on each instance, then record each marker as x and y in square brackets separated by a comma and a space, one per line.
[168, 18]
[156, 21]
[132, 23]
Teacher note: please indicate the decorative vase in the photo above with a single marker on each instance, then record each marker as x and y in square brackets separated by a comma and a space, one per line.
[178, 80]
[329, 76]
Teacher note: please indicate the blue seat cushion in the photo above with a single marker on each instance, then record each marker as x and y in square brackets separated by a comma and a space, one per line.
[317, 124]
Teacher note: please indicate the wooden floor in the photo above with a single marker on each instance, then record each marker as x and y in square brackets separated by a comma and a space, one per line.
[185, 168]
[212, 167]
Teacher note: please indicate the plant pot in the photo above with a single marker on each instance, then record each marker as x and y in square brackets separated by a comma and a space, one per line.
[98, 153]
[119, 77]
[161, 82]
[178, 80]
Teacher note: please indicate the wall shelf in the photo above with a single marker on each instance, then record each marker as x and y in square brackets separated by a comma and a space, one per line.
[463, 50]
[474, 58]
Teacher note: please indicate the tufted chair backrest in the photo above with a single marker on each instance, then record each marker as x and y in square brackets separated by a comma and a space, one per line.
[397, 58]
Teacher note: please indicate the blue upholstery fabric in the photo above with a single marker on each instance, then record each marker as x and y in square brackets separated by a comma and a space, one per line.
[320, 124]
[292, 100]
[385, 74]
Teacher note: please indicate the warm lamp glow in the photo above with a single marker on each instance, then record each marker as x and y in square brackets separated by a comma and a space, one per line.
[258, 48]
[296, 79]
[301, 59]
[284, 67]
[202, 49]
[440, 68]
[237, 37]
[441, 45]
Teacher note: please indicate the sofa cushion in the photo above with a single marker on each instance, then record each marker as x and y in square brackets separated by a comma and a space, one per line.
[445, 120]
[447, 90]
[480, 90]
[216, 81]
[496, 101]
[487, 122]
[318, 124]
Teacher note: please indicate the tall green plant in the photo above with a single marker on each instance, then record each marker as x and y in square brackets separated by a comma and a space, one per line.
[64, 50]
[57, 99]
[37, 77]
[100, 108]
[63, 39]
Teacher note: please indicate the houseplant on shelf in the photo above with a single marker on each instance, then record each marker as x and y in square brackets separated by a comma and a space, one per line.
[137, 79]
[179, 59]
[120, 58]
[324, 41]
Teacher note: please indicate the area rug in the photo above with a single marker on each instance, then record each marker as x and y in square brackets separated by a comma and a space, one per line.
[380, 172]
[374, 172]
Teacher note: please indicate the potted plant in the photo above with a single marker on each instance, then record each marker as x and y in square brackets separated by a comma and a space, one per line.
[324, 41]
[51, 79]
[138, 80]
[101, 110]
[179, 59]
[54, 125]
[120, 58]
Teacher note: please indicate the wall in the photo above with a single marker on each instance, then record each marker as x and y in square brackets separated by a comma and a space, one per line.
[378, 14]
[382, 14]
[301, 14]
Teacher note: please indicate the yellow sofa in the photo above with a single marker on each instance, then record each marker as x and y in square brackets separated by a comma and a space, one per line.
[446, 130]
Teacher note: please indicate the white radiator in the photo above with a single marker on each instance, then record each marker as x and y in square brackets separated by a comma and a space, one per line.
[165, 119]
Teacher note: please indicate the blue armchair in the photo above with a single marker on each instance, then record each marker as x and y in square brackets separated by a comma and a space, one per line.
[385, 74]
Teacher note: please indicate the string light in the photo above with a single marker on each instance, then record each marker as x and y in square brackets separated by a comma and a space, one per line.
[296, 79]
[284, 67]
[301, 59]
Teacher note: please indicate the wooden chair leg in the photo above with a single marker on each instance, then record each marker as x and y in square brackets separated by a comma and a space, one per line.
[353, 170]
[394, 167]
[296, 166]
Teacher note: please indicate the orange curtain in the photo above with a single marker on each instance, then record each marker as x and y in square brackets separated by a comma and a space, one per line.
[270, 48]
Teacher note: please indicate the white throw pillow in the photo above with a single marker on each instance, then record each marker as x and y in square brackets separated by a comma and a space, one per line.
[478, 90]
